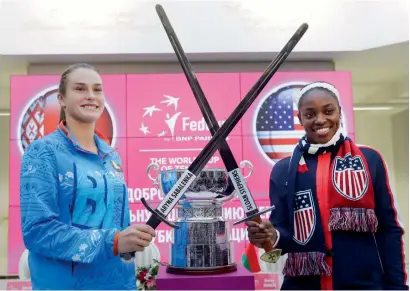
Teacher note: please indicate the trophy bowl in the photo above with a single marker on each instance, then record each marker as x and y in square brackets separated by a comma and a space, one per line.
[211, 183]
[202, 244]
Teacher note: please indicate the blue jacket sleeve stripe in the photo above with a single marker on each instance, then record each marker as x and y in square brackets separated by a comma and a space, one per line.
[390, 233]
[397, 219]
[42, 230]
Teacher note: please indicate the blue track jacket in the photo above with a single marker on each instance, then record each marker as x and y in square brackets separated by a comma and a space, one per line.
[72, 204]
[360, 260]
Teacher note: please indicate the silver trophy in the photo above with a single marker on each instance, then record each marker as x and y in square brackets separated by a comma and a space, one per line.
[202, 244]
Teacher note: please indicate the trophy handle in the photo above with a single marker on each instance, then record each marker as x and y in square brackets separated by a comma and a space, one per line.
[156, 167]
[245, 163]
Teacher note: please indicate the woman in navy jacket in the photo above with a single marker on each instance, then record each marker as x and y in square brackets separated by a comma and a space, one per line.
[335, 215]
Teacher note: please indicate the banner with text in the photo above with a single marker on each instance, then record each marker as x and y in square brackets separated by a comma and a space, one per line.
[156, 124]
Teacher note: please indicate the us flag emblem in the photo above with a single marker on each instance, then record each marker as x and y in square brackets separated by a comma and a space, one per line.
[304, 217]
[277, 126]
[350, 177]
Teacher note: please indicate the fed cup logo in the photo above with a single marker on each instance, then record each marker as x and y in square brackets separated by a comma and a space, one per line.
[170, 118]
[166, 120]
[276, 123]
[42, 114]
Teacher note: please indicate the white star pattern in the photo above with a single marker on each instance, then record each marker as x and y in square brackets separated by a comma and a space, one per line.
[150, 110]
[171, 101]
[144, 129]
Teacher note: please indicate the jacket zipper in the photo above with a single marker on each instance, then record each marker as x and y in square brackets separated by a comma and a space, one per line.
[123, 206]
[378, 253]
[73, 204]
[74, 190]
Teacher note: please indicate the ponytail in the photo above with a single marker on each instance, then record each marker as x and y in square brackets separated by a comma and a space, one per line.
[62, 114]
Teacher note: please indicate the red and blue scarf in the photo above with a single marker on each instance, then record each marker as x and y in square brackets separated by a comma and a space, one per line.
[342, 186]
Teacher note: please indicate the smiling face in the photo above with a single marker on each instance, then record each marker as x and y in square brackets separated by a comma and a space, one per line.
[82, 95]
[320, 115]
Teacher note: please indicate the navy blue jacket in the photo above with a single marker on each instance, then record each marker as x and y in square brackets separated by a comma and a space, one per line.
[360, 260]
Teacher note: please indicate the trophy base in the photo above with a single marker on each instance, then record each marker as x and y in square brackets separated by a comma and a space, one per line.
[202, 271]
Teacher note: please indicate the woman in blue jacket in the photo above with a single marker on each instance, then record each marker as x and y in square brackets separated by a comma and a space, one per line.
[335, 215]
[73, 198]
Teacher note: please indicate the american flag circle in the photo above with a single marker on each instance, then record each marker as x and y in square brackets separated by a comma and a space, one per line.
[41, 117]
[276, 123]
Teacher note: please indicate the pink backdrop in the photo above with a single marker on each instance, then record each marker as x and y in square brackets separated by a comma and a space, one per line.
[155, 118]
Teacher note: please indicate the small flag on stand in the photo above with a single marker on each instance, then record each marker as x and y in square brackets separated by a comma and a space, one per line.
[250, 259]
